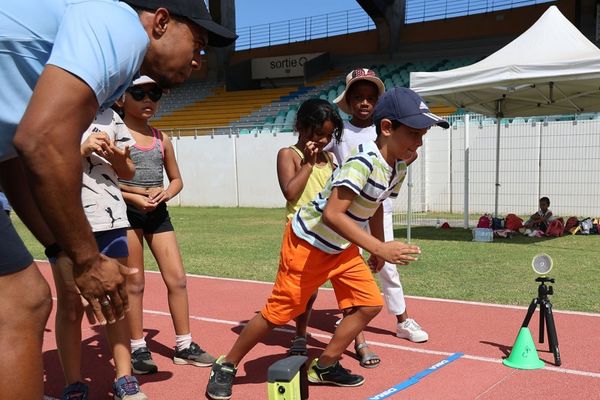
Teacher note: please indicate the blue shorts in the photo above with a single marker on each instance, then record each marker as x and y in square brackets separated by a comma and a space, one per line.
[14, 256]
[113, 243]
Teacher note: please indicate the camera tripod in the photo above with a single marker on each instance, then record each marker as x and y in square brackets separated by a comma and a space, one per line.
[545, 316]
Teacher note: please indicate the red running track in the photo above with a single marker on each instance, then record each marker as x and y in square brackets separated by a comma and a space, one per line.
[484, 333]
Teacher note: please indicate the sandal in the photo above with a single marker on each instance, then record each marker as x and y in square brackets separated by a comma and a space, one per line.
[298, 347]
[368, 359]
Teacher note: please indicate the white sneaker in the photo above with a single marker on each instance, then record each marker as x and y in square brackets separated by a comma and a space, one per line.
[412, 331]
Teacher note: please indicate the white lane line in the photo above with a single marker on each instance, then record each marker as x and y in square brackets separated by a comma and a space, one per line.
[473, 303]
[386, 345]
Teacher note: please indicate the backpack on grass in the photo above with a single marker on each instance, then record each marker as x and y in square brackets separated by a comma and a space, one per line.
[513, 222]
[555, 227]
[572, 222]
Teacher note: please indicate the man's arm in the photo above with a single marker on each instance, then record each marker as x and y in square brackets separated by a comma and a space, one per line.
[48, 141]
[15, 185]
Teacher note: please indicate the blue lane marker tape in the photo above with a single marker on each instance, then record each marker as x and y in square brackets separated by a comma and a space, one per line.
[416, 378]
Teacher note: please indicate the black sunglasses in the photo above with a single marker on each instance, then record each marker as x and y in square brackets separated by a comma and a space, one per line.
[138, 94]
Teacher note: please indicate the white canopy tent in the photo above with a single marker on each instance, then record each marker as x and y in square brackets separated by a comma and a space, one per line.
[551, 68]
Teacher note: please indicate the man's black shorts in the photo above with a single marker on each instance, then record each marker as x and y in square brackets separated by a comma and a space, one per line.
[14, 256]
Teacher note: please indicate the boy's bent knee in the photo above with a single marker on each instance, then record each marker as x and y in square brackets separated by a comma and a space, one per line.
[369, 311]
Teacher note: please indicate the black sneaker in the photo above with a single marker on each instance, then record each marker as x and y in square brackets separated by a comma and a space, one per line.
[221, 380]
[193, 355]
[142, 362]
[334, 374]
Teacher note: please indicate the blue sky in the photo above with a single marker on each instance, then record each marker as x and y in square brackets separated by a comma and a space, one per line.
[255, 12]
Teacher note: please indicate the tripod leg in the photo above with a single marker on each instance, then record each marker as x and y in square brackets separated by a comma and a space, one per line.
[530, 312]
[542, 316]
[552, 337]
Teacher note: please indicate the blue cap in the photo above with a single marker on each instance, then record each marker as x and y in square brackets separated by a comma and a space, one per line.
[404, 105]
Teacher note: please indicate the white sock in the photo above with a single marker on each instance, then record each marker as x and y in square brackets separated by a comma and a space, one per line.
[137, 344]
[182, 342]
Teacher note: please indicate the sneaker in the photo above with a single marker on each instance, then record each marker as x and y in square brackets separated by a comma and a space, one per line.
[334, 374]
[128, 388]
[75, 391]
[221, 379]
[193, 355]
[142, 362]
[412, 331]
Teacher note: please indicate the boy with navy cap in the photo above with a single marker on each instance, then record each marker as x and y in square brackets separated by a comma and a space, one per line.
[322, 242]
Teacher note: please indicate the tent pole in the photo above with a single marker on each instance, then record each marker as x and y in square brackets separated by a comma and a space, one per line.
[498, 118]
[540, 162]
[466, 173]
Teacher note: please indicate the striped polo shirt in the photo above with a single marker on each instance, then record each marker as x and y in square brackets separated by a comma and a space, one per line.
[367, 174]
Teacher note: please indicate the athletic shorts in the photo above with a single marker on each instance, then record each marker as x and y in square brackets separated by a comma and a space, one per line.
[303, 268]
[155, 221]
[14, 256]
[113, 243]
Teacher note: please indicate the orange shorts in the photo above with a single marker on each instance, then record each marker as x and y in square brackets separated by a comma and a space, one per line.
[303, 268]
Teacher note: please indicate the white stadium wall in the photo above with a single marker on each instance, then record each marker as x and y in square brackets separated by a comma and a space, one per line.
[560, 160]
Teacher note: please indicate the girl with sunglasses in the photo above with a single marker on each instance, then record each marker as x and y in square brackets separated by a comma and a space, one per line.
[146, 199]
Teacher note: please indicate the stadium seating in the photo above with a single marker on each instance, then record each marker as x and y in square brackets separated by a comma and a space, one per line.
[269, 111]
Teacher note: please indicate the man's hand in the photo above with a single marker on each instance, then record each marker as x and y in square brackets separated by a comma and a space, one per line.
[397, 252]
[102, 284]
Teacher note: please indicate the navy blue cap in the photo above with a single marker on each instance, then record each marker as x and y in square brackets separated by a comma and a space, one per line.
[195, 11]
[404, 105]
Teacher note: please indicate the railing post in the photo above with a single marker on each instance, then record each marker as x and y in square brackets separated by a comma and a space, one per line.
[269, 35]
[347, 23]
[250, 37]
[289, 34]
[305, 28]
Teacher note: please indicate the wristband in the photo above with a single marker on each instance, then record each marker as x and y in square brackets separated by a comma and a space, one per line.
[52, 251]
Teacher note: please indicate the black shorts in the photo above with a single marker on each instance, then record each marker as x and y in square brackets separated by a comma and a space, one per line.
[14, 256]
[155, 221]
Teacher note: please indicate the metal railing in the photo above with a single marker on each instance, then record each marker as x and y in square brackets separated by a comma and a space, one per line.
[428, 10]
[357, 20]
[303, 29]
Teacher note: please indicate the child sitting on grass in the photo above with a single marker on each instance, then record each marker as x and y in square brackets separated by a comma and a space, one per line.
[322, 243]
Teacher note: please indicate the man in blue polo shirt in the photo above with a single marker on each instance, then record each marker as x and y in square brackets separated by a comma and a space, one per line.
[62, 60]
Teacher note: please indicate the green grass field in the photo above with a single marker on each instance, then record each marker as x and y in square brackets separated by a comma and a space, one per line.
[244, 243]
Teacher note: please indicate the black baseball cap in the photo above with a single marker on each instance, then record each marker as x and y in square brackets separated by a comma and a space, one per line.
[195, 11]
[404, 105]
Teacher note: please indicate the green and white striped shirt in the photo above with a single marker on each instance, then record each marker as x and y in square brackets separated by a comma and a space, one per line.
[367, 174]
